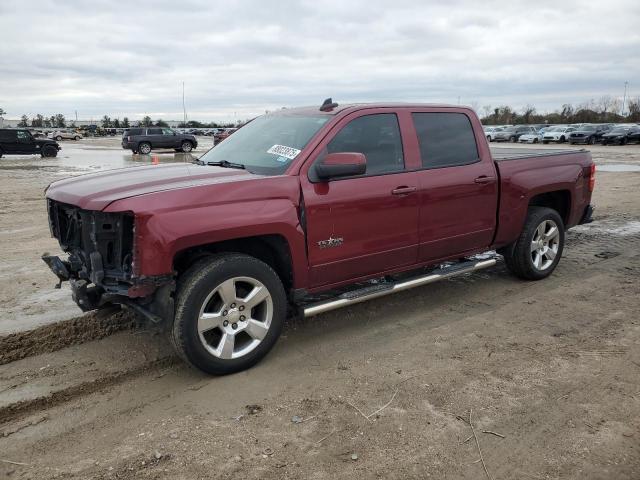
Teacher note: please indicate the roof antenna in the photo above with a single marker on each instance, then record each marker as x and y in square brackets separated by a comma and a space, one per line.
[328, 105]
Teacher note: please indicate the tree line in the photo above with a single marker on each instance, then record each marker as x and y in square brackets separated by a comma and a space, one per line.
[606, 110]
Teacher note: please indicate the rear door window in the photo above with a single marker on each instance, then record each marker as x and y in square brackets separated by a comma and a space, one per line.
[154, 131]
[445, 139]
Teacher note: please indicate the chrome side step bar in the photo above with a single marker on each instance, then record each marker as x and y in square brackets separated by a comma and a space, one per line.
[369, 293]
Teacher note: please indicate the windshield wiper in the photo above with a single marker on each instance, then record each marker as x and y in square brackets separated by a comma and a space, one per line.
[226, 164]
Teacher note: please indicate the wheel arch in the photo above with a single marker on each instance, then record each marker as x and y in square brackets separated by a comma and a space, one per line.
[272, 249]
[558, 200]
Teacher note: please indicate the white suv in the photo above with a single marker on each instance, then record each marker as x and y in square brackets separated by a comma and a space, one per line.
[557, 134]
[64, 135]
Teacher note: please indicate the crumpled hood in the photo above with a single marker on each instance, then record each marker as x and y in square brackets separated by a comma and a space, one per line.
[96, 191]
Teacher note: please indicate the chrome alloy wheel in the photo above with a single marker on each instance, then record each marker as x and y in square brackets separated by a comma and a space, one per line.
[545, 244]
[235, 317]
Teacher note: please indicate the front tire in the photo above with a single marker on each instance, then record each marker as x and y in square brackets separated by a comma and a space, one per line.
[537, 251]
[49, 151]
[76, 138]
[58, 138]
[513, 139]
[230, 310]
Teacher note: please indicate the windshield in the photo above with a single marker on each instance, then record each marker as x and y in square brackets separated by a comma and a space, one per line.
[510, 129]
[588, 129]
[268, 144]
[620, 130]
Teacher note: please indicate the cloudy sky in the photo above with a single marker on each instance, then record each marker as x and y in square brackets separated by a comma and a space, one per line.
[240, 58]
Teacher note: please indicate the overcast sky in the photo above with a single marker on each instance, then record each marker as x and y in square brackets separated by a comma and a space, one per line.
[240, 58]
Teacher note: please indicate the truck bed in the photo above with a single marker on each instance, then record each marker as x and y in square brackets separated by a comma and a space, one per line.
[513, 153]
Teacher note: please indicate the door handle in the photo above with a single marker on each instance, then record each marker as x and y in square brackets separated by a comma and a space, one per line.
[484, 179]
[404, 190]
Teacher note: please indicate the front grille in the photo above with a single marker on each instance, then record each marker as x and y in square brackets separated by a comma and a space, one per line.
[100, 245]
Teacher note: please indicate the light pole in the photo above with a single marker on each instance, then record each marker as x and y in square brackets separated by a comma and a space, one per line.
[184, 109]
[624, 98]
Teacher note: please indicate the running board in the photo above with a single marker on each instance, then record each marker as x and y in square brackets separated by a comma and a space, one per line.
[375, 291]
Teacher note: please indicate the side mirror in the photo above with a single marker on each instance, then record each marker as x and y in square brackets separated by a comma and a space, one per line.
[341, 165]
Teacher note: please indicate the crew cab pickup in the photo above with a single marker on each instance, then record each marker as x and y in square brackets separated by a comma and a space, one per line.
[352, 202]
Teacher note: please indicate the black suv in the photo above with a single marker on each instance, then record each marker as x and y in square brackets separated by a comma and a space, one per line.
[21, 142]
[144, 139]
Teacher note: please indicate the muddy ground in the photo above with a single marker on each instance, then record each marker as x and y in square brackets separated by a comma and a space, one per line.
[542, 378]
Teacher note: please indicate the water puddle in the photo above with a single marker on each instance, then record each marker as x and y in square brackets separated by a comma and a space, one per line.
[618, 167]
[629, 228]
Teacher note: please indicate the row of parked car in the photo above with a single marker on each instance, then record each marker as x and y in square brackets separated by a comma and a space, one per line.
[587, 133]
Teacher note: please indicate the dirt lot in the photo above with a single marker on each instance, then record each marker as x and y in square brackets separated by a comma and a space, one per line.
[542, 378]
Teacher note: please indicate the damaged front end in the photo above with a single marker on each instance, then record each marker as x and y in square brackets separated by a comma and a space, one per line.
[101, 265]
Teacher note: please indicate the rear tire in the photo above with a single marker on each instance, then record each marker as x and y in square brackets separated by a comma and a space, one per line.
[58, 138]
[186, 146]
[513, 139]
[144, 148]
[76, 138]
[536, 253]
[217, 327]
[592, 141]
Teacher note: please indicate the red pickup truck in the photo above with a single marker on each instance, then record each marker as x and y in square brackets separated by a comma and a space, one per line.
[338, 200]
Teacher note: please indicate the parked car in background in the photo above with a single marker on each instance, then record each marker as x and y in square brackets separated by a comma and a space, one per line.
[65, 135]
[558, 134]
[532, 137]
[588, 134]
[490, 132]
[621, 135]
[220, 136]
[144, 139]
[21, 142]
[513, 133]
[38, 134]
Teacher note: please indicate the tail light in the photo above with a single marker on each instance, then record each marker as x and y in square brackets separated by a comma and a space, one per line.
[592, 177]
[128, 139]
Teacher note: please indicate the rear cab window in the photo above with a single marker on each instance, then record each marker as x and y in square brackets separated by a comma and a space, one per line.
[445, 139]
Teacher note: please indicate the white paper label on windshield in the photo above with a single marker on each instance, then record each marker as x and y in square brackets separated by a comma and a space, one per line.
[283, 151]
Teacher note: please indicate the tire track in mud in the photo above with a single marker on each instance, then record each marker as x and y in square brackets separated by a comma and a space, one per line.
[17, 410]
[56, 336]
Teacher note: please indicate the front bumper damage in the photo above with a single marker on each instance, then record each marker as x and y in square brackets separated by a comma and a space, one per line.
[100, 264]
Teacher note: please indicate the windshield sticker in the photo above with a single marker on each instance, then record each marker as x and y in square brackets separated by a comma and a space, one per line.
[283, 151]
